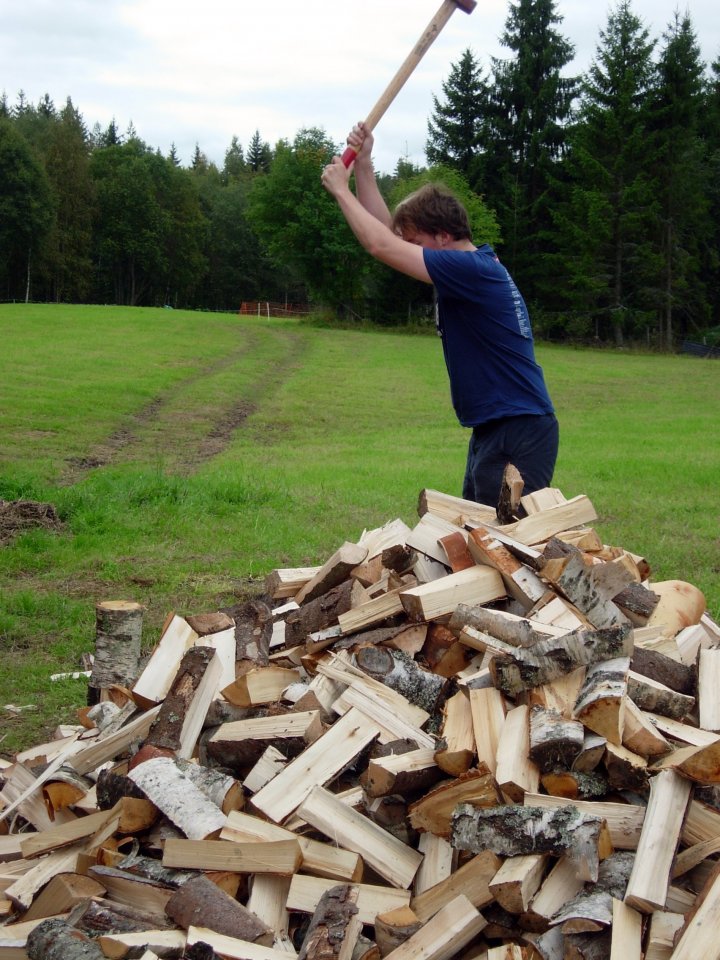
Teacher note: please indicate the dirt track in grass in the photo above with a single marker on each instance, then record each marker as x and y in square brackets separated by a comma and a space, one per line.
[188, 425]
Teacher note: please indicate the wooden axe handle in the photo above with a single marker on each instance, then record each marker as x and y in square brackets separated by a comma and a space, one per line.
[432, 30]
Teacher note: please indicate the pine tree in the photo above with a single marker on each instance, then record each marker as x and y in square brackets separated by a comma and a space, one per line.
[604, 227]
[683, 223]
[455, 128]
[528, 111]
[710, 129]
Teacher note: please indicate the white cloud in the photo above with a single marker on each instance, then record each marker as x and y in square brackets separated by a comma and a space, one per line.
[189, 72]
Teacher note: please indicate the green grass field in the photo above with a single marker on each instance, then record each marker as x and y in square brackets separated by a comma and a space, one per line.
[189, 454]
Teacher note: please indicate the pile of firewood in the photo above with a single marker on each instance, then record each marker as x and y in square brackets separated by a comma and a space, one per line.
[488, 736]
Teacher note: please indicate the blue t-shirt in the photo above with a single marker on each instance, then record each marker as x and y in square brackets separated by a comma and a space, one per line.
[486, 336]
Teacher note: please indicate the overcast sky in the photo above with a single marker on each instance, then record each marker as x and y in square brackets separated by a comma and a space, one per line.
[188, 72]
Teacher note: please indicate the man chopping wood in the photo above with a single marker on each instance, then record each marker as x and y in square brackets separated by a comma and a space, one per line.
[496, 385]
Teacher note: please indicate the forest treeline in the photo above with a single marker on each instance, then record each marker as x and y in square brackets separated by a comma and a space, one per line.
[601, 192]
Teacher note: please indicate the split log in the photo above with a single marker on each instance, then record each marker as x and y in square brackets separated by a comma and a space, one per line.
[488, 715]
[625, 770]
[321, 859]
[521, 583]
[372, 611]
[451, 508]
[456, 550]
[140, 893]
[456, 748]
[407, 774]
[511, 488]
[554, 741]
[575, 785]
[443, 652]
[389, 857]
[559, 888]
[518, 831]
[641, 735]
[317, 765]
[317, 614]
[157, 675]
[601, 703]
[305, 893]
[163, 942]
[656, 698]
[200, 901]
[517, 881]
[700, 764]
[627, 933]
[637, 602]
[472, 878]
[549, 659]
[278, 858]
[591, 910]
[699, 936]
[663, 669]
[540, 527]
[395, 927]
[560, 695]
[333, 572]
[259, 686]
[515, 772]
[239, 744]
[429, 601]
[118, 640]
[452, 928]
[55, 940]
[593, 750]
[205, 624]
[438, 862]
[180, 720]
[648, 886]
[284, 583]
[63, 893]
[708, 679]
[661, 935]
[433, 812]
[335, 926]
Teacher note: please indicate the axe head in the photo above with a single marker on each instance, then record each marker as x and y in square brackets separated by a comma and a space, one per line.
[467, 5]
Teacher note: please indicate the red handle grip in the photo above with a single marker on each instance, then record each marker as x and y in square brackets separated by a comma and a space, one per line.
[349, 156]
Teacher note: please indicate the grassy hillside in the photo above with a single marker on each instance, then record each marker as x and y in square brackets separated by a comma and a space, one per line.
[188, 454]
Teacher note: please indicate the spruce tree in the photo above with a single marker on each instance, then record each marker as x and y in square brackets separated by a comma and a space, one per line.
[529, 108]
[683, 224]
[455, 128]
[604, 226]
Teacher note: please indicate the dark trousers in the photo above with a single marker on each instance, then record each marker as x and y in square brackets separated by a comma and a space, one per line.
[530, 443]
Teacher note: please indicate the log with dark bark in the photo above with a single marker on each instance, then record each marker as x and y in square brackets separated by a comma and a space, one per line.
[335, 926]
[518, 831]
[637, 602]
[200, 903]
[317, 614]
[253, 631]
[98, 916]
[118, 638]
[671, 673]
[55, 940]
[167, 729]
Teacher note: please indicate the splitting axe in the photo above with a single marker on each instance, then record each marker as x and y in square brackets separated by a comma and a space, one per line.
[446, 10]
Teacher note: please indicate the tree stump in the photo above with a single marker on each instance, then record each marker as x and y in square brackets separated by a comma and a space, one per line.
[118, 635]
